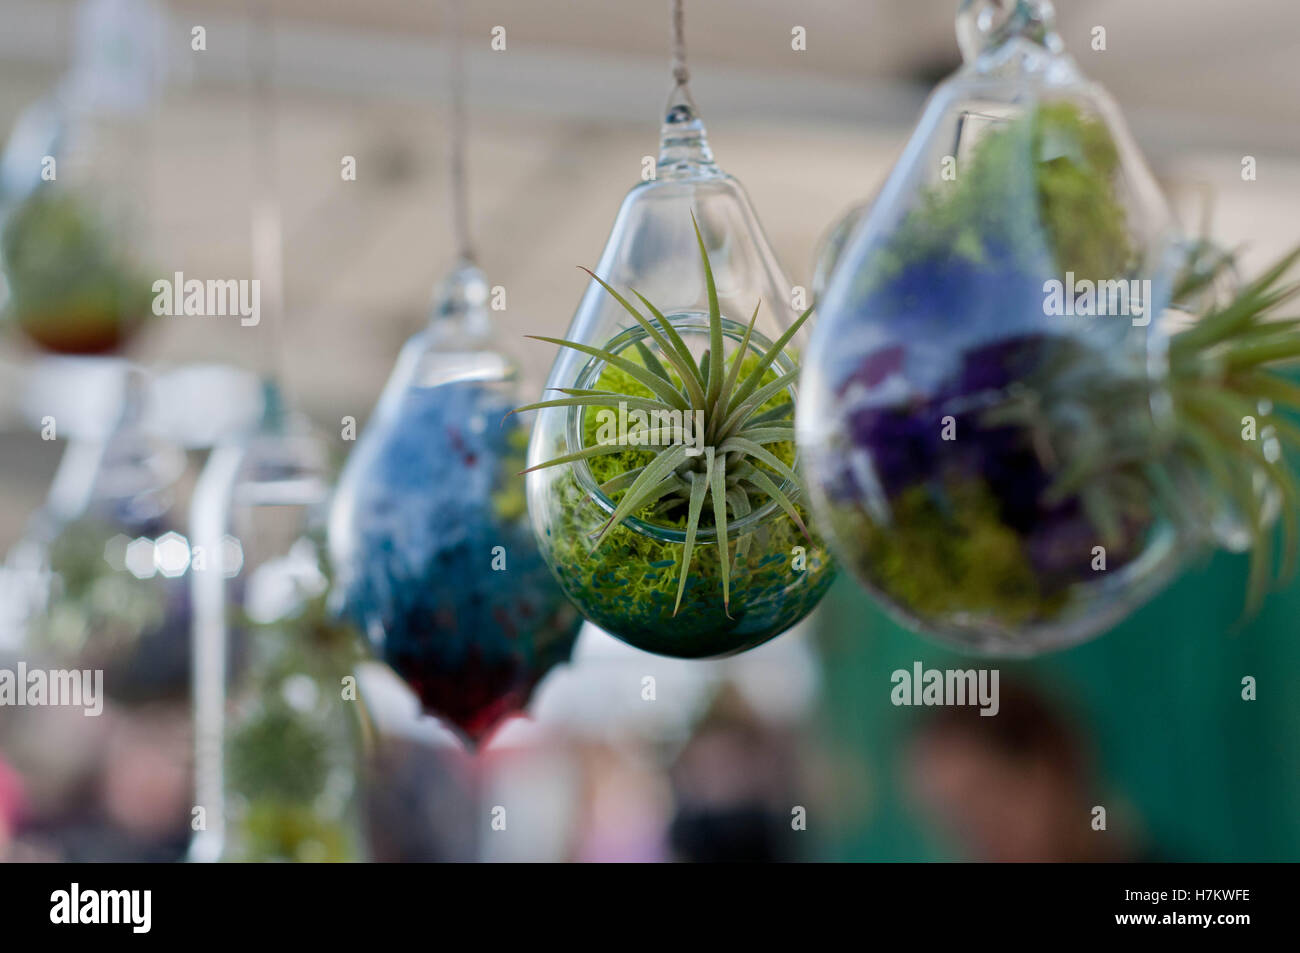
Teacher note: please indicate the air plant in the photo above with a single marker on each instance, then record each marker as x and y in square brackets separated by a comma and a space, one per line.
[742, 454]
[1222, 459]
[1228, 397]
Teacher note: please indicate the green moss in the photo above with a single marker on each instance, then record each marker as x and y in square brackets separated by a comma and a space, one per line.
[70, 285]
[509, 502]
[1076, 164]
[628, 585]
[285, 831]
[1041, 184]
[950, 554]
[605, 468]
[262, 749]
[292, 756]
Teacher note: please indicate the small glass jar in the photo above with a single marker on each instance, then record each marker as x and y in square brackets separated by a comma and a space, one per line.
[99, 610]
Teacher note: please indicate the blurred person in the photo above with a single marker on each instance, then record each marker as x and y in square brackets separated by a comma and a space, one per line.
[1019, 786]
[419, 803]
[111, 788]
[145, 785]
[736, 787]
[625, 805]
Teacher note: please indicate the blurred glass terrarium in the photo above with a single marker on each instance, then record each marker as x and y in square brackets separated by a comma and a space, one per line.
[96, 592]
[435, 557]
[985, 398]
[278, 719]
[686, 273]
[74, 189]
[106, 547]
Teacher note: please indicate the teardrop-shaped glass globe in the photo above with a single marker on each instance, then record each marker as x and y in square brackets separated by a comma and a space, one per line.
[628, 584]
[74, 188]
[428, 530]
[108, 540]
[95, 597]
[984, 390]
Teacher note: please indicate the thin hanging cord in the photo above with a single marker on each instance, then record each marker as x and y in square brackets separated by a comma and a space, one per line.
[456, 85]
[267, 241]
[680, 73]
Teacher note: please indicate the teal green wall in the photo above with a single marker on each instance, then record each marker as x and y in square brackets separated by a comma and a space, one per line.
[1212, 777]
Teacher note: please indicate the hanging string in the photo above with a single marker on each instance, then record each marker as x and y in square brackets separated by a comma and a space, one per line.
[266, 238]
[457, 137]
[680, 73]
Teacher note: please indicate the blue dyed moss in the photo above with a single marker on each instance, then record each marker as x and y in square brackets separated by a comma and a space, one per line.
[439, 500]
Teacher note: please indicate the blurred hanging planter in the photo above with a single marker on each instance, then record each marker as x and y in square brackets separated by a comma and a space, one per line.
[72, 287]
[279, 725]
[435, 557]
[72, 187]
[1000, 441]
[278, 729]
[110, 562]
[625, 528]
[292, 760]
[96, 590]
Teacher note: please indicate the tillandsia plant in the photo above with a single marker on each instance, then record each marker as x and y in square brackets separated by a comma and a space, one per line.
[1235, 399]
[679, 525]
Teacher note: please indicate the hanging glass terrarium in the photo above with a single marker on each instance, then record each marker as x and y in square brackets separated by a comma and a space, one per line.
[687, 319]
[278, 727]
[95, 593]
[1001, 438]
[108, 549]
[73, 187]
[428, 532]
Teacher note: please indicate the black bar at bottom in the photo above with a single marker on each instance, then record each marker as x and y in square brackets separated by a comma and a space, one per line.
[225, 903]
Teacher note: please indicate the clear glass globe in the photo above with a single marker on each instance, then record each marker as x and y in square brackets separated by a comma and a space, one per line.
[628, 585]
[990, 332]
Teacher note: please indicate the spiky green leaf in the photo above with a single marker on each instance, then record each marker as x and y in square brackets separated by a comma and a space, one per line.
[656, 474]
[764, 483]
[718, 490]
[653, 383]
[714, 376]
[755, 376]
[699, 487]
